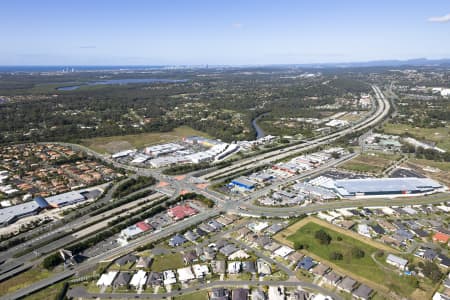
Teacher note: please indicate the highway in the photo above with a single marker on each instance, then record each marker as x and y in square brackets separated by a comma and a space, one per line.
[223, 204]
[382, 110]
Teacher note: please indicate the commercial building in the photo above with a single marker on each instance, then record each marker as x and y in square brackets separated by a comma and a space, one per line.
[244, 183]
[180, 212]
[386, 186]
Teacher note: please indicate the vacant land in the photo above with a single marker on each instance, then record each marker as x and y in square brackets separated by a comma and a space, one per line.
[439, 135]
[23, 280]
[48, 293]
[364, 269]
[114, 144]
[202, 295]
[373, 162]
[439, 171]
[167, 261]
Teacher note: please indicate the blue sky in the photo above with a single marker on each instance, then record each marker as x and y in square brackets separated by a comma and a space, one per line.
[151, 32]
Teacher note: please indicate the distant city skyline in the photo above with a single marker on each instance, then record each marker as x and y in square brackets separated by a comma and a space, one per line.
[204, 32]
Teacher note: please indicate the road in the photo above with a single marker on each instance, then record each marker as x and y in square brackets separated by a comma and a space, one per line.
[224, 205]
[81, 292]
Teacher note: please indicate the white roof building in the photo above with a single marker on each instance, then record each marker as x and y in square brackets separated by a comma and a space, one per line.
[276, 293]
[139, 279]
[185, 274]
[200, 271]
[234, 267]
[283, 251]
[397, 261]
[107, 279]
[238, 255]
[169, 277]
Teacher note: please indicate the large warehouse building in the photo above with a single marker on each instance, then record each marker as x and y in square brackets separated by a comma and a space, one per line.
[386, 186]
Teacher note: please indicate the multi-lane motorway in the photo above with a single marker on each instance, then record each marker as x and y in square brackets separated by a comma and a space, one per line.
[234, 205]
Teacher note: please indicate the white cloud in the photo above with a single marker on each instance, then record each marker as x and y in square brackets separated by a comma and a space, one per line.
[441, 19]
[237, 25]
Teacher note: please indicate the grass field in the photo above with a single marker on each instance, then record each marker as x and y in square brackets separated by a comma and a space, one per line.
[373, 162]
[23, 280]
[114, 144]
[364, 269]
[48, 293]
[439, 135]
[201, 295]
[167, 261]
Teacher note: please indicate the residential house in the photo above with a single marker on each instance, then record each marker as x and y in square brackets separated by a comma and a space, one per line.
[363, 292]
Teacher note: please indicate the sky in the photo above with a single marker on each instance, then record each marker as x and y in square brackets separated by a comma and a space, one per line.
[220, 32]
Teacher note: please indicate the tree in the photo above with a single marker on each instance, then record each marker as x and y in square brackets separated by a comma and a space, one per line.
[336, 255]
[432, 271]
[52, 261]
[323, 237]
[358, 253]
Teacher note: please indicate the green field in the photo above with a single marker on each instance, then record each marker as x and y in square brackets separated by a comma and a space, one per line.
[370, 162]
[118, 143]
[23, 280]
[361, 268]
[167, 261]
[439, 135]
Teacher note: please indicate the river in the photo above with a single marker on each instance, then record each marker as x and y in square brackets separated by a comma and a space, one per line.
[259, 132]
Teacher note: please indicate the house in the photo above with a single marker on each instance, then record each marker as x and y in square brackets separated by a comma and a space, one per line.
[332, 278]
[200, 232]
[200, 271]
[155, 279]
[139, 279]
[249, 267]
[363, 292]
[363, 230]
[228, 249]
[214, 224]
[240, 254]
[283, 251]
[224, 221]
[320, 269]
[209, 253]
[444, 261]
[258, 295]
[122, 280]
[263, 267]
[107, 279]
[218, 266]
[177, 240]
[191, 236]
[295, 257]
[144, 262]
[206, 228]
[169, 277]
[347, 284]
[377, 229]
[243, 232]
[397, 261]
[275, 228]
[271, 247]
[127, 259]
[219, 294]
[306, 263]
[276, 293]
[239, 294]
[189, 257]
[234, 267]
[441, 237]
[299, 295]
[185, 274]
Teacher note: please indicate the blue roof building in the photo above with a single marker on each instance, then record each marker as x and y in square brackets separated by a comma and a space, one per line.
[41, 202]
[306, 263]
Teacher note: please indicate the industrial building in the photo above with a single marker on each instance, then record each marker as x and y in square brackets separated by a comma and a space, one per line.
[386, 186]
[11, 214]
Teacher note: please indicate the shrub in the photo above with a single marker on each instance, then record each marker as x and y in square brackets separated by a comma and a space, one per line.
[336, 256]
[358, 253]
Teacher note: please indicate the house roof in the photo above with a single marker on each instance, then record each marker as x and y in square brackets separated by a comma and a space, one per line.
[347, 284]
[363, 291]
[441, 237]
[306, 263]
[239, 294]
[122, 279]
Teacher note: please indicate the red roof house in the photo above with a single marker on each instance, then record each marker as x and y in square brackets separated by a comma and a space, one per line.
[441, 237]
[143, 226]
[180, 212]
